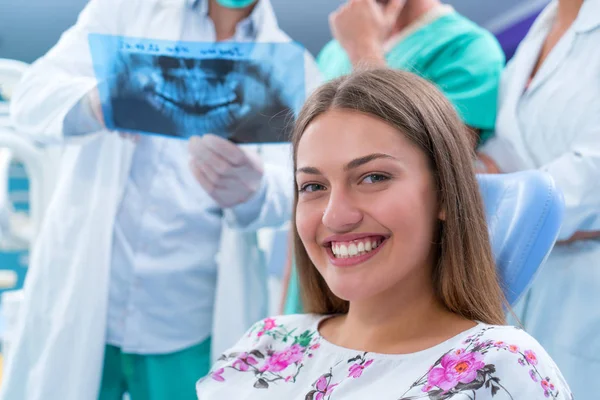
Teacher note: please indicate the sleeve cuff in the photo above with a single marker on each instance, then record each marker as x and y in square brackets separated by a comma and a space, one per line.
[244, 214]
[80, 119]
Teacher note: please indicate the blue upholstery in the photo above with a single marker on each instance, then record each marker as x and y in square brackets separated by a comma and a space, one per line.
[524, 212]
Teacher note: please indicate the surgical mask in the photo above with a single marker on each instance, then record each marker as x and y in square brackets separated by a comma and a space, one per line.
[235, 3]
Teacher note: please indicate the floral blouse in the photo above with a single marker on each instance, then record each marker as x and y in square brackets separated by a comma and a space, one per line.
[286, 358]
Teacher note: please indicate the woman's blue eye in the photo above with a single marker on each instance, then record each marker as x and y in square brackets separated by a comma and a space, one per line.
[374, 178]
[311, 187]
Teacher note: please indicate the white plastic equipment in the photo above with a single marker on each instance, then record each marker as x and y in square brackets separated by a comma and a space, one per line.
[18, 231]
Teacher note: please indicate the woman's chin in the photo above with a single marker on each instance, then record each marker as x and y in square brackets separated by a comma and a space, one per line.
[350, 291]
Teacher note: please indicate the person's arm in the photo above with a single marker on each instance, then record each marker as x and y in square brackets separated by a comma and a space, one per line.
[362, 26]
[253, 195]
[59, 82]
[271, 205]
[576, 173]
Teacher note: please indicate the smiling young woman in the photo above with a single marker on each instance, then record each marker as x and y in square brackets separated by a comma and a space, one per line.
[394, 261]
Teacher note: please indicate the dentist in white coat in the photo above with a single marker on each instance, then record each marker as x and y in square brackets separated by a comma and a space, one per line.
[549, 119]
[146, 259]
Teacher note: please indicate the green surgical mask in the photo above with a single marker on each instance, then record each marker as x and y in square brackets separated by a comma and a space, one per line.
[235, 3]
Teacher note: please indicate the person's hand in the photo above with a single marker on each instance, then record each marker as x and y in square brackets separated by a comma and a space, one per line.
[95, 105]
[362, 26]
[580, 235]
[227, 173]
[485, 165]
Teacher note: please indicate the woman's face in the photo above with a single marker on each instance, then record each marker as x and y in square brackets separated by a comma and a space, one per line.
[367, 207]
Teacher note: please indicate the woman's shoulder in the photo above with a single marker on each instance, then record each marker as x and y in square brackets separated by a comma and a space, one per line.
[288, 322]
[507, 359]
[279, 331]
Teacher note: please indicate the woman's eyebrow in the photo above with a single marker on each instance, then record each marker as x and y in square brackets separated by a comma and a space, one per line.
[308, 170]
[357, 162]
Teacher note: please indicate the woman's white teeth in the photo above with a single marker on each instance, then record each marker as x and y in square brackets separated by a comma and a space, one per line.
[343, 251]
[352, 250]
[355, 248]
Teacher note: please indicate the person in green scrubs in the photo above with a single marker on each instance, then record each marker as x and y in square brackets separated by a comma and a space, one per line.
[427, 38]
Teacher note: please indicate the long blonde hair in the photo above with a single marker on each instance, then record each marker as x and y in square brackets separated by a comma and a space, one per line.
[464, 276]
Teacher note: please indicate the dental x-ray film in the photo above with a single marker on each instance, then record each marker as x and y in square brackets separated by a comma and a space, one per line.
[245, 92]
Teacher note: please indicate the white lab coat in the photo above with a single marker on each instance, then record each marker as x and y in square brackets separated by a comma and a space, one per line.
[58, 347]
[555, 126]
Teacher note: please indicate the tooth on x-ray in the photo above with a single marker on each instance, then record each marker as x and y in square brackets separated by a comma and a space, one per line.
[250, 98]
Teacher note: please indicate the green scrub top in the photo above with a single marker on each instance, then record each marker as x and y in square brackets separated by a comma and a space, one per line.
[464, 60]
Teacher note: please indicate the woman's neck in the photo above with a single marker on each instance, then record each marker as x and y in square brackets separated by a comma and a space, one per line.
[567, 12]
[412, 11]
[226, 19]
[400, 321]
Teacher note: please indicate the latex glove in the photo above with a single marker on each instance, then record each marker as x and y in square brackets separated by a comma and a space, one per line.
[229, 175]
[94, 104]
[362, 26]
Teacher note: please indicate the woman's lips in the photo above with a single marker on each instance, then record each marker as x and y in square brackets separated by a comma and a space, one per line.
[347, 253]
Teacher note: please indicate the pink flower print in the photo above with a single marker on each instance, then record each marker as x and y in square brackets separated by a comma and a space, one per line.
[521, 362]
[243, 361]
[280, 360]
[357, 369]
[533, 375]
[456, 369]
[268, 324]
[426, 388]
[459, 352]
[547, 385]
[499, 344]
[315, 346]
[218, 375]
[513, 349]
[323, 388]
[531, 357]
[288, 378]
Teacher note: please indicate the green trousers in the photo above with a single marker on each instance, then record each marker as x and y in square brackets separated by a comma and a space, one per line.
[154, 377]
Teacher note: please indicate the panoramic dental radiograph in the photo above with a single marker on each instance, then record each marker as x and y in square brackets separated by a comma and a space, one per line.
[244, 99]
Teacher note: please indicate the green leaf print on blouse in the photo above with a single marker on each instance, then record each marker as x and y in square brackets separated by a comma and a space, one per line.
[270, 366]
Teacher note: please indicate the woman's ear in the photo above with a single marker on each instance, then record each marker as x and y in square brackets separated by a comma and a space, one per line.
[442, 214]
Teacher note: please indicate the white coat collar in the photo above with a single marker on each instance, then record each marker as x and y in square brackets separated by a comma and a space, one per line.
[589, 16]
[262, 18]
[587, 20]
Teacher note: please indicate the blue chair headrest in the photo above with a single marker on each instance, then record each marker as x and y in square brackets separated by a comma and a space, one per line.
[524, 212]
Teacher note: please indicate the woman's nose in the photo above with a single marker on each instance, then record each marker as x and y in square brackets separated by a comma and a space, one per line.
[341, 213]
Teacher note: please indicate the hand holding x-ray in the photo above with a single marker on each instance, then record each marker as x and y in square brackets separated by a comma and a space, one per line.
[227, 173]
[92, 101]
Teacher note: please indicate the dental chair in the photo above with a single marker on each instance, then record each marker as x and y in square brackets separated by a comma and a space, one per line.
[18, 229]
[524, 212]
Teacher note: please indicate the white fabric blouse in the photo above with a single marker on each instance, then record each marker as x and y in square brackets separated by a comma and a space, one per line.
[286, 358]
